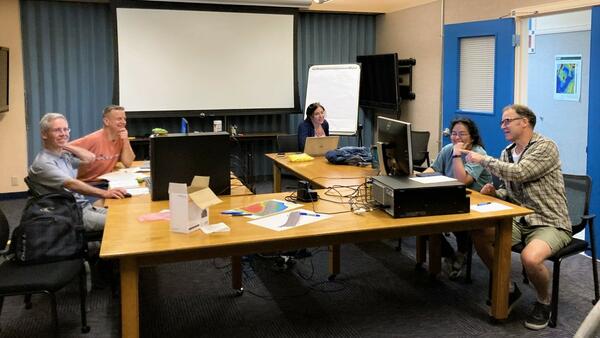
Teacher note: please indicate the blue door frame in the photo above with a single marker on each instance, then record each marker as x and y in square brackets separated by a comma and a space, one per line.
[593, 148]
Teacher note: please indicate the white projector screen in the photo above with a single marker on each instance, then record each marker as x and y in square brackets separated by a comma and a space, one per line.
[179, 60]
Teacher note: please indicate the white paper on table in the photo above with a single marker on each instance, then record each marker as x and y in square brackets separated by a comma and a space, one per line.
[218, 227]
[489, 207]
[138, 191]
[118, 176]
[275, 222]
[130, 170]
[125, 184]
[433, 179]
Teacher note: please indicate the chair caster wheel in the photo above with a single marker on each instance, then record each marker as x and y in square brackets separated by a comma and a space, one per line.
[331, 278]
[85, 329]
[239, 292]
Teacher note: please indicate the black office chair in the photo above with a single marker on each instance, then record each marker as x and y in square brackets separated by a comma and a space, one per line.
[578, 189]
[48, 278]
[36, 190]
[420, 154]
[287, 143]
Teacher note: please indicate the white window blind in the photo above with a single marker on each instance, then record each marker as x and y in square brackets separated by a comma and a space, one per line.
[476, 92]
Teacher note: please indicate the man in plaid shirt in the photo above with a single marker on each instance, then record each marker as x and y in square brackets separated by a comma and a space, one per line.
[530, 170]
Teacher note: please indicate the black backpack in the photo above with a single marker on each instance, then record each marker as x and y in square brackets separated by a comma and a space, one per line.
[51, 229]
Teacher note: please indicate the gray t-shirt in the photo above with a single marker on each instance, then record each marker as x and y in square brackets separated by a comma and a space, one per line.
[49, 171]
[443, 164]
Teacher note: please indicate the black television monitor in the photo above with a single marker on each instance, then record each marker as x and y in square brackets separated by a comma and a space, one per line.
[179, 157]
[394, 147]
[3, 79]
[379, 81]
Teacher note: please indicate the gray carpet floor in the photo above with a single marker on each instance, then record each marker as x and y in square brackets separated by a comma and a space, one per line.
[378, 294]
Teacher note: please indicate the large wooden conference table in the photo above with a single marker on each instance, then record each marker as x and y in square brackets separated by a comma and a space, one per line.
[319, 172]
[136, 244]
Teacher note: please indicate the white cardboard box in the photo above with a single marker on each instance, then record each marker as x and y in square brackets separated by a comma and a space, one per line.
[189, 205]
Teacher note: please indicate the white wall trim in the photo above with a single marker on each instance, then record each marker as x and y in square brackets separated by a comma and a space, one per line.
[553, 8]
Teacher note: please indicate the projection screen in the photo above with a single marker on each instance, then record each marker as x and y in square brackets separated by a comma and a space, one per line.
[182, 60]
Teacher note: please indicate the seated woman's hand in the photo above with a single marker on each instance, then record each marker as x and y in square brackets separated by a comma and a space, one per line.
[458, 146]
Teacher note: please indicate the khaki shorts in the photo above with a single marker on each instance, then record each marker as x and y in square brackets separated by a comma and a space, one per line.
[556, 238]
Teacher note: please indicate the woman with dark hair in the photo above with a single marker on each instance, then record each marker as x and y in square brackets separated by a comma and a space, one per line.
[450, 162]
[313, 125]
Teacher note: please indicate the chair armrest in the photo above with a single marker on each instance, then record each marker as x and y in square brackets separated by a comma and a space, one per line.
[588, 217]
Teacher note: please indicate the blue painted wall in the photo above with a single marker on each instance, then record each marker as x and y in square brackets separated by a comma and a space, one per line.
[593, 159]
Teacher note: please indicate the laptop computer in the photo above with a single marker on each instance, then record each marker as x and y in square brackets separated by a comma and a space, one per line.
[318, 146]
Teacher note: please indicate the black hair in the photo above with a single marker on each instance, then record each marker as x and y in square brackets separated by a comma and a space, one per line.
[471, 127]
[523, 111]
[310, 110]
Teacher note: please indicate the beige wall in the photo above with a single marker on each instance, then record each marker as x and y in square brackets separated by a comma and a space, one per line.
[416, 33]
[13, 144]
[457, 11]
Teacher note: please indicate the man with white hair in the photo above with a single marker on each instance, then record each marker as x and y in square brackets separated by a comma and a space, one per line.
[55, 168]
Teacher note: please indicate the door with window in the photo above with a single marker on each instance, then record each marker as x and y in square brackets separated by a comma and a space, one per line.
[479, 76]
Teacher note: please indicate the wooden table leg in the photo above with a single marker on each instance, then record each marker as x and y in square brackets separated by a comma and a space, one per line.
[501, 269]
[130, 305]
[334, 260]
[236, 273]
[276, 178]
[435, 254]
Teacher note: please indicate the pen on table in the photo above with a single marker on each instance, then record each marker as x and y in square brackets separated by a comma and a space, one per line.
[483, 203]
[232, 212]
[309, 214]
[241, 214]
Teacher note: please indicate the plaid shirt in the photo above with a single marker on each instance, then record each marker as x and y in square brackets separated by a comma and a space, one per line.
[535, 181]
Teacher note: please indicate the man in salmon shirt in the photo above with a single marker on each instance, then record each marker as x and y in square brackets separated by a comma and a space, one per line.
[110, 145]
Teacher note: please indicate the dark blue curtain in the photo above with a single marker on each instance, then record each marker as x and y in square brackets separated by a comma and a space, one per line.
[68, 60]
[333, 39]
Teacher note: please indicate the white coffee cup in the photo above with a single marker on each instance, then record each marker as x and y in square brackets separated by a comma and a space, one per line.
[217, 125]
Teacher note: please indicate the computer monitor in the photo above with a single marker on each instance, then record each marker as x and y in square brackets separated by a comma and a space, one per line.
[179, 157]
[394, 147]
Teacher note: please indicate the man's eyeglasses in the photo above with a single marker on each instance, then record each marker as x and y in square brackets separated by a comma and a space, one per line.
[59, 130]
[461, 134]
[506, 122]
